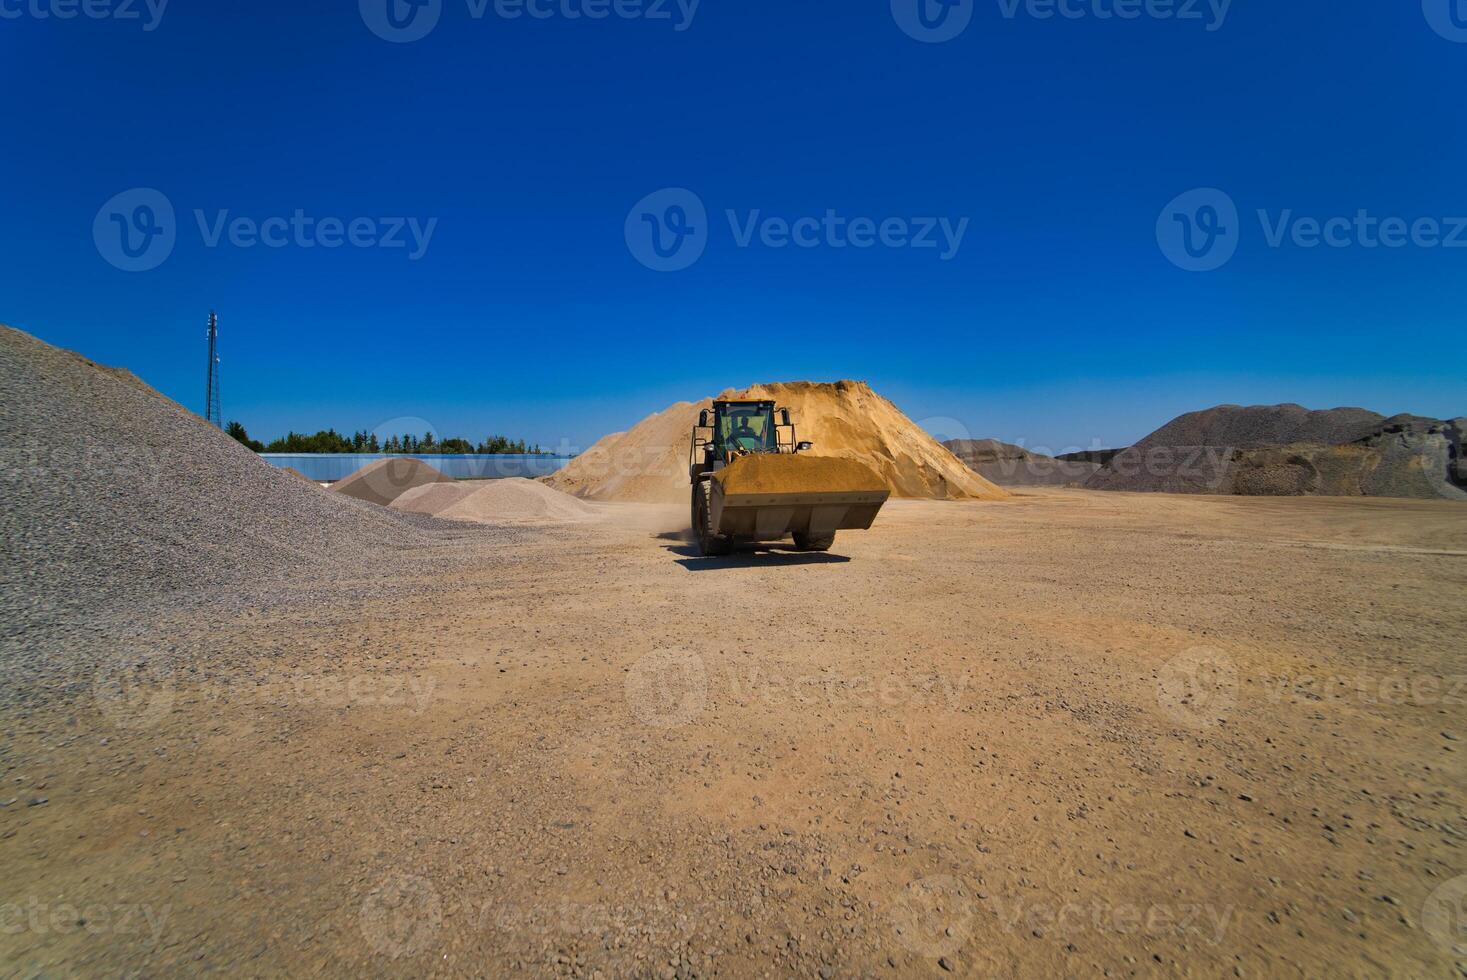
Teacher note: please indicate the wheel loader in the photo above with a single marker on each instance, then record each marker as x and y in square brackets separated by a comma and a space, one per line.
[752, 480]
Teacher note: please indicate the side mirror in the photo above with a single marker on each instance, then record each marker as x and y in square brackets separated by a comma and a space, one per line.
[803, 446]
[703, 419]
[784, 415]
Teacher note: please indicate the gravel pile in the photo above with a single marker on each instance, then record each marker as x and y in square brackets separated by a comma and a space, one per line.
[117, 498]
[1014, 466]
[1288, 450]
[385, 480]
[494, 501]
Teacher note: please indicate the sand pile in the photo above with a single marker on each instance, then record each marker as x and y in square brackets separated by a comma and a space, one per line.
[385, 480]
[1288, 450]
[793, 474]
[114, 495]
[845, 419]
[1014, 466]
[495, 501]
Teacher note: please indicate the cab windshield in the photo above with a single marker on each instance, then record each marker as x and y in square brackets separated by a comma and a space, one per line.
[749, 428]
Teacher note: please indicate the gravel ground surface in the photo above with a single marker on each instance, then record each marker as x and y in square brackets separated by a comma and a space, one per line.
[1068, 734]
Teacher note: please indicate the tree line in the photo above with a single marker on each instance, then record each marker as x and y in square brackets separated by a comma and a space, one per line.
[331, 441]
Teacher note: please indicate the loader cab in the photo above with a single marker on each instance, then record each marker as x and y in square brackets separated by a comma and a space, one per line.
[738, 427]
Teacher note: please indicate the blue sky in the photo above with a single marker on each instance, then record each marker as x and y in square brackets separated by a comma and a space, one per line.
[526, 143]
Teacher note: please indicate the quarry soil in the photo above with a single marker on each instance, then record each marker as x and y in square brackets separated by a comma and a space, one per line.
[1070, 733]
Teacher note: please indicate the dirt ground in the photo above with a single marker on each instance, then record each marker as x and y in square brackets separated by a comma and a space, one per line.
[1069, 734]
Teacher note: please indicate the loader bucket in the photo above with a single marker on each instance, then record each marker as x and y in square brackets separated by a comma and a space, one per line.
[766, 496]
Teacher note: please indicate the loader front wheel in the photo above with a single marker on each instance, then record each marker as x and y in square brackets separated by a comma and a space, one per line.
[809, 542]
[710, 544]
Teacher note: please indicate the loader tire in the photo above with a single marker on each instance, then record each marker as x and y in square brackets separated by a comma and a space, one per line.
[709, 544]
[808, 542]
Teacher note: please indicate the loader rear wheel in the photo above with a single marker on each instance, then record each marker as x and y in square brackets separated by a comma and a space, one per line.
[808, 542]
[709, 543]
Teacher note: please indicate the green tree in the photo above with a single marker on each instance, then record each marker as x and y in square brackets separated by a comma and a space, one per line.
[237, 431]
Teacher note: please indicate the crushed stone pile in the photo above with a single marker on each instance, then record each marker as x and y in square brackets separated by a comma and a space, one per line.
[115, 496]
[1014, 466]
[385, 480]
[845, 419]
[494, 501]
[431, 498]
[1289, 450]
[793, 474]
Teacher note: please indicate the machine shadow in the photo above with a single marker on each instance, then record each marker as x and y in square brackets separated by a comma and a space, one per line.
[753, 556]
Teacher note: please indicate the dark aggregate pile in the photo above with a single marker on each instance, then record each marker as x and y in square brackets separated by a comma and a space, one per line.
[1289, 450]
[1014, 466]
[116, 498]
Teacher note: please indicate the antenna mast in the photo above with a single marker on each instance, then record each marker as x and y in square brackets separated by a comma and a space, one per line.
[213, 412]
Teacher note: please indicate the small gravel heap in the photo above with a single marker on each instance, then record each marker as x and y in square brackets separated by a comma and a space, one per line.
[512, 500]
[385, 480]
[116, 497]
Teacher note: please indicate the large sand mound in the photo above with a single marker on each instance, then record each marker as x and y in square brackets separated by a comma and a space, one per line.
[114, 494]
[493, 501]
[1014, 466]
[846, 419]
[385, 480]
[1288, 450]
